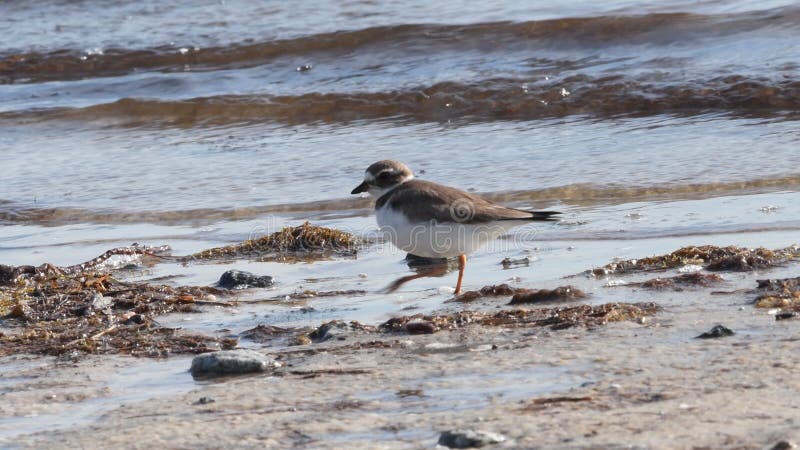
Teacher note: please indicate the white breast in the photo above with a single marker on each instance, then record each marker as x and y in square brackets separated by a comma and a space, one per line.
[437, 240]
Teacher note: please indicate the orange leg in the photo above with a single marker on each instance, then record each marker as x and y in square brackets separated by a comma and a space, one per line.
[462, 263]
[434, 272]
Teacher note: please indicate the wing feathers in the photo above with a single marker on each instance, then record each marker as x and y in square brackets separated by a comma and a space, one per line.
[424, 200]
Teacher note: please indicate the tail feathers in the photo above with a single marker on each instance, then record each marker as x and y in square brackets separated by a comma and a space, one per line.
[543, 216]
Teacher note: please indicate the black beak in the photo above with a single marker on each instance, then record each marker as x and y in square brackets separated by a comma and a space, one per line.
[363, 187]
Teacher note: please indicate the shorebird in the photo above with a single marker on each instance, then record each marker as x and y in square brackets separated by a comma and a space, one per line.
[431, 220]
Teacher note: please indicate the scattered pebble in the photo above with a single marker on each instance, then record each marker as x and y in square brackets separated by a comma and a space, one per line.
[717, 332]
[784, 315]
[231, 362]
[239, 279]
[784, 445]
[304, 68]
[509, 263]
[469, 438]
[205, 400]
[100, 302]
[339, 330]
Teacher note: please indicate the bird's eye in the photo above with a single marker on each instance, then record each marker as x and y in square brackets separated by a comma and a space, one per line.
[383, 176]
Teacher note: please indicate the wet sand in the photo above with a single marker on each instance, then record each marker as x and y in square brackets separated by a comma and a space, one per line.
[647, 383]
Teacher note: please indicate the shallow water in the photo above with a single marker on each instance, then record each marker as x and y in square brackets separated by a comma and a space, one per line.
[132, 383]
[651, 125]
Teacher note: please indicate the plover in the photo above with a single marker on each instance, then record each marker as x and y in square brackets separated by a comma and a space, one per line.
[431, 220]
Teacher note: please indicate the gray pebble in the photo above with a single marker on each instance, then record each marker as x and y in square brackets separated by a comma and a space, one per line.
[231, 362]
[717, 332]
[239, 279]
[469, 438]
[335, 329]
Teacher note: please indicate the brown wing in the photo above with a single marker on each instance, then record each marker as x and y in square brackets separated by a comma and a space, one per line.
[425, 200]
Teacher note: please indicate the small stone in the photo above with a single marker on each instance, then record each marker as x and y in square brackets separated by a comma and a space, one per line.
[239, 279]
[717, 332]
[135, 318]
[469, 438]
[231, 362]
[784, 445]
[205, 400]
[784, 315]
[509, 263]
[304, 68]
[338, 330]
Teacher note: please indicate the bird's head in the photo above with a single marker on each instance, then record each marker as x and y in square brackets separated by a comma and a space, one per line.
[383, 176]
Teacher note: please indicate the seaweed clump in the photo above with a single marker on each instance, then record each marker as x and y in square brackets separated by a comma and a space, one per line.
[555, 318]
[710, 257]
[561, 293]
[94, 313]
[779, 293]
[523, 295]
[487, 291]
[302, 242]
[680, 281]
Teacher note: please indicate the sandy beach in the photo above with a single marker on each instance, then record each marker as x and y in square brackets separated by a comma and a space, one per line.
[648, 382]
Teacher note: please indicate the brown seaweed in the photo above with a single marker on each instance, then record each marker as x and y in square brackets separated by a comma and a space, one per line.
[680, 281]
[555, 318]
[779, 293]
[290, 244]
[709, 256]
[559, 294]
[487, 291]
[95, 313]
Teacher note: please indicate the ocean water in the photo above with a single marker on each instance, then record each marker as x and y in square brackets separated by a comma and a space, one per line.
[202, 123]
[651, 124]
